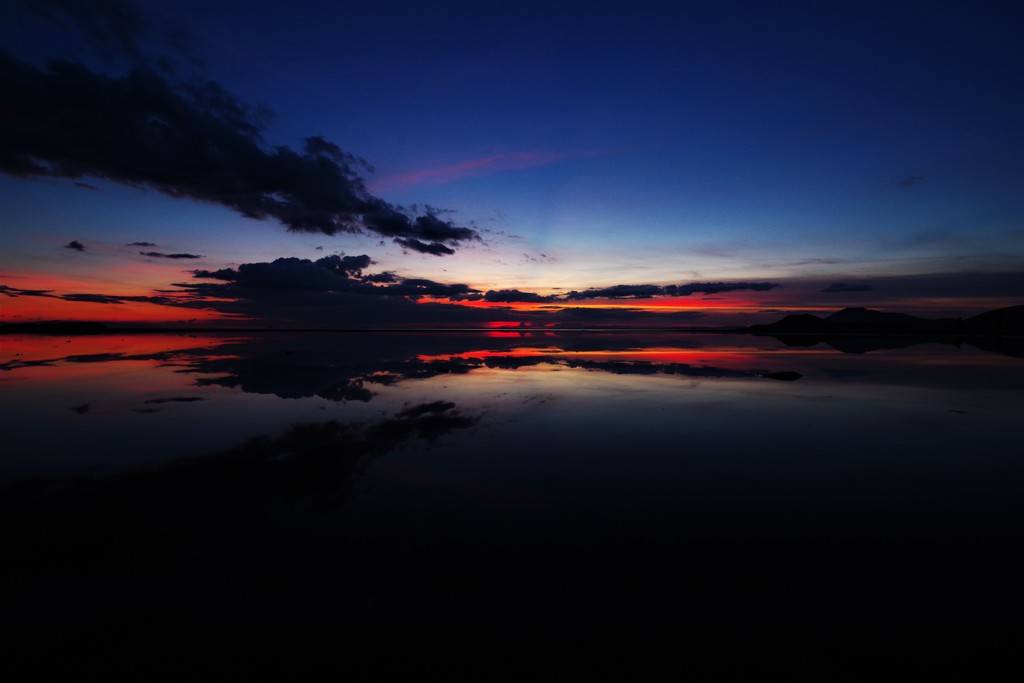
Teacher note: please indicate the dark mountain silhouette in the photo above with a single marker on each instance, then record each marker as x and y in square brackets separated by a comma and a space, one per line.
[1001, 321]
[860, 320]
[865, 320]
[858, 330]
[873, 320]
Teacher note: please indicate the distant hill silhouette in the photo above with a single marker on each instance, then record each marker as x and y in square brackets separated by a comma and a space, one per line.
[1001, 321]
[1008, 321]
[858, 330]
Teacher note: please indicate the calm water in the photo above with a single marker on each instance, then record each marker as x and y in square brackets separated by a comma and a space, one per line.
[564, 482]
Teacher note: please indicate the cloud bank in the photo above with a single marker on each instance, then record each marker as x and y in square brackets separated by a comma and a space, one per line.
[648, 291]
[195, 140]
[157, 254]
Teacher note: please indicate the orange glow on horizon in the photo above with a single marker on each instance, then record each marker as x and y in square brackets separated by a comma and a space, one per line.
[35, 309]
[667, 304]
[29, 348]
[654, 354]
[123, 281]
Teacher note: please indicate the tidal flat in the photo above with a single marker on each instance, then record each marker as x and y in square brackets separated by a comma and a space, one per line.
[551, 482]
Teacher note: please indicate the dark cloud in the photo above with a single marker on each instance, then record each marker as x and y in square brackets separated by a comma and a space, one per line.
[838, 287]
[618, 292]
[813, 262]
[115, 299]
[157, 254]
[910, 180]
[507, 296]
[648, 291]
[76, 245]
[435, 248]
[351, 266]
[335, 291]
[15, 292]
[385, 277]
[193, 140]
[417, 287]
[329, 275]
[140, 244]
[280, 275]
[338, 292]
[176, 399]
[718, 287]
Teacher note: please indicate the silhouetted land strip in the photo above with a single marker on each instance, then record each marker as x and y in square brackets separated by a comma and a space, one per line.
[851, 330]
[83, 328]
[858, 330]
[1004, 321]
[849, 321]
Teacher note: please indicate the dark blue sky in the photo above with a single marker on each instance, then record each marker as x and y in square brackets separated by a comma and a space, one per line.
[587, 144]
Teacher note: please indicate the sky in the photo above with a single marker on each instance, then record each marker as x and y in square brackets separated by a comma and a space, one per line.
[477, 164]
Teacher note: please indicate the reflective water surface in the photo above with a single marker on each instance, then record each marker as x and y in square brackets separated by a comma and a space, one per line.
[560, 481]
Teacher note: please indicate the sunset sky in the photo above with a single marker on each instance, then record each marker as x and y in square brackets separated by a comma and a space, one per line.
[474, 163]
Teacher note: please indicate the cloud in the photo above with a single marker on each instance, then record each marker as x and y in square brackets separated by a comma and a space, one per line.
[351, 266]
[718, 287]
[507, 296]
[341, 291]
[176, 399]
[115, 299]
[157, 254]
[494, 163]
[908, 181]
[418, 287]
[15, 292]
[194, 140]
[76, 245]
[837, 287]
[140, 244]
[648, 291]
[337, 291]
[618, 292]
[435, 248]
[331, 274]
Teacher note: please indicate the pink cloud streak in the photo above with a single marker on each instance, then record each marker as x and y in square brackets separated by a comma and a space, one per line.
[495, 163]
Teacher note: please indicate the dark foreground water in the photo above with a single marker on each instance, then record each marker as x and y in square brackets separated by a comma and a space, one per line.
[340, 494]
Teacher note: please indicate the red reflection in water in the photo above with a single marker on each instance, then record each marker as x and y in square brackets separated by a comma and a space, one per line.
[19, 349]
[659, 355]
